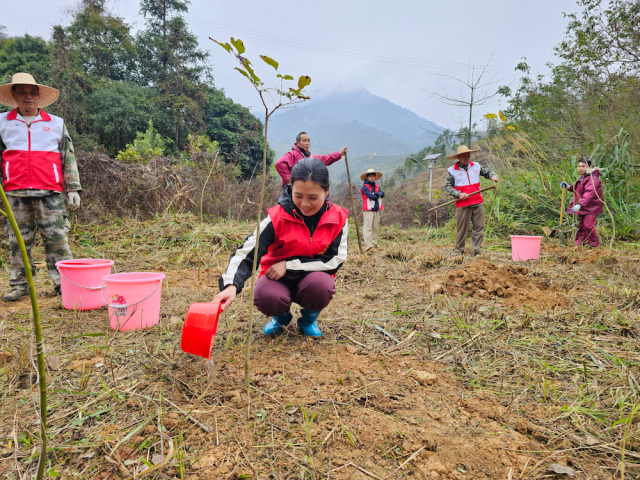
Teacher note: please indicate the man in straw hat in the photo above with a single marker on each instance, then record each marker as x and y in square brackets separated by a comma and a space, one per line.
[38, 164]
[463, 179]
[371, 206]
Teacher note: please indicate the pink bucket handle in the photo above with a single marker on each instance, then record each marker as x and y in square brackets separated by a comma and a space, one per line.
[81, 286]
[129, 304]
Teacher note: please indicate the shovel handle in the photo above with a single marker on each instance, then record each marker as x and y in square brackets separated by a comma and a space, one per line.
[457, 200]
[562, 207]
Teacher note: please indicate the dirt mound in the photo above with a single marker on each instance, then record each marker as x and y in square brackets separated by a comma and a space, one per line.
[485, 280]
[572, 255]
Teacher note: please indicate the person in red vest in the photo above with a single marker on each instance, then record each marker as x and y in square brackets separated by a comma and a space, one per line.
[372, 196]
[38, 166]
[299, 151]
[303, 243]
[586, 203]
[464, 178]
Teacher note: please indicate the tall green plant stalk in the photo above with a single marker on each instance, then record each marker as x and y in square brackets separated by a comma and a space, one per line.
[280, 98]
[8, 214]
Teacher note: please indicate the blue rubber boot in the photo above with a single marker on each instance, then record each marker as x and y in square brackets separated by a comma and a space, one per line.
[307, 323]
[274, 327]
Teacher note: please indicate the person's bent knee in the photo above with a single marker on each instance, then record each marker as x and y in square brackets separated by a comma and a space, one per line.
[316, 291]
[271, 298]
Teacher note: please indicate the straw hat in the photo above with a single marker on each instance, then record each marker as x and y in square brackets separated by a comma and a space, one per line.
[462, 149]
[363, 177]
[48, 95]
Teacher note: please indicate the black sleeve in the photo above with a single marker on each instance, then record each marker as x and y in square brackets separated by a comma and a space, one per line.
[241, 262]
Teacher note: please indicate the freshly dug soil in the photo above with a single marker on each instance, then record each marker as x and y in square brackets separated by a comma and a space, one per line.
[484, 280]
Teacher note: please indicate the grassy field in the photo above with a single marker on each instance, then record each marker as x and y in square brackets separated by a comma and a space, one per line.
[428, 368]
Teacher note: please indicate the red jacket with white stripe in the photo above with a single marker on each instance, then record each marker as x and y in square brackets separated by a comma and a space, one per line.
[32, 159]
[284, 236]
[467, 181]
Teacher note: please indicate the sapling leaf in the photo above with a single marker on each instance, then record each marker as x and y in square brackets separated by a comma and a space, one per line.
[238, 44]
[288, 77]
[241, 71]
[303, 81]
[269, 61]
[226, 46]
[503, 117]
[511, 127]
[490, 115]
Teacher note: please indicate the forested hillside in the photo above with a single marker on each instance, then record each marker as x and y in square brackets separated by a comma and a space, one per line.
[115, 85]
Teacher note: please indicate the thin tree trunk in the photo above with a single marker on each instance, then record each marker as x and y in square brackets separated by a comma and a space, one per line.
[247, 340]
[470, 117]
[37, 330]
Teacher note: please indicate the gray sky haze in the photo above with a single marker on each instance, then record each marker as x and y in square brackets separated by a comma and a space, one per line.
[391, 48]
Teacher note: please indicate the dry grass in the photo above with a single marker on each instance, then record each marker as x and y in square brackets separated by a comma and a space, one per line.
[454, 387]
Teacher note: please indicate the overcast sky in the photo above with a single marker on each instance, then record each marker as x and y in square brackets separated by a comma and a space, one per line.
[395, 49]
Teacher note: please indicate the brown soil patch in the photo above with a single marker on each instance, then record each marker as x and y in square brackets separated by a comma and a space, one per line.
[514, 284]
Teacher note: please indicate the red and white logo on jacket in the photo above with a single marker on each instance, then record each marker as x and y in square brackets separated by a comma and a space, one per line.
[467, 181]
[31, 159]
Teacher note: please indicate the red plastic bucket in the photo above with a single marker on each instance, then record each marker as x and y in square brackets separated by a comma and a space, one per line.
[199, 329]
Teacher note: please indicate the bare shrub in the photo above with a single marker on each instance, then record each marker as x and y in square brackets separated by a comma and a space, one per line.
[139, 191]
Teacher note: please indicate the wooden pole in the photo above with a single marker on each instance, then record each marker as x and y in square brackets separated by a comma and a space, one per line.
[353, 203]
[37, 330]
[492, 187]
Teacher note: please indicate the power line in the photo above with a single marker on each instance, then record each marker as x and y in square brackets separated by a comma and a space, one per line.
[341, 51]
[337, 49]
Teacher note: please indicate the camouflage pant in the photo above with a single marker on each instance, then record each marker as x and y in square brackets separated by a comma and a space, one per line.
[47, 214]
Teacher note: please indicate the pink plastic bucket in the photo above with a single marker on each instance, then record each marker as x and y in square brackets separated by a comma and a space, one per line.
[525, 247]
[133, 299]
[81, 282]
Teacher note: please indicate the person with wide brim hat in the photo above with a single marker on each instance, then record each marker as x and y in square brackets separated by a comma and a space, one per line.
[38, 166]
[462, 179]
[372, 196]
[462, 149]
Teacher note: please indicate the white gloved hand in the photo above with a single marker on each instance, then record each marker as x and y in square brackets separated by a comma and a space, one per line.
[74, 200]
[576, 209]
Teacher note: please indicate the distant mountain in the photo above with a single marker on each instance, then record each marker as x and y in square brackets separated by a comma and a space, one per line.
[365, 122]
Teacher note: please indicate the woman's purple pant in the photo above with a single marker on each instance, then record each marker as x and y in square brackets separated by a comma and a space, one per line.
[587, 231]
[313, 292]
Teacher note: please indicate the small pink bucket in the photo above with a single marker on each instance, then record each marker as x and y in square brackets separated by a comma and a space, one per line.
[81, 282]
[525, 247]
[133, 299]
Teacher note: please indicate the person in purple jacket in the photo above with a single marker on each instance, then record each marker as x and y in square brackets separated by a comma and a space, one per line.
[586, 203]
[299, 151]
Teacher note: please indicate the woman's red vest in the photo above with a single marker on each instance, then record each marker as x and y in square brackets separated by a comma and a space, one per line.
[293, 238]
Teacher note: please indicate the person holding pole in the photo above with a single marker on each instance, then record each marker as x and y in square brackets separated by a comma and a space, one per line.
[586, 203]
[303, 243]
[372, 196]
[38, 165]
[299, 151]
[462, 180]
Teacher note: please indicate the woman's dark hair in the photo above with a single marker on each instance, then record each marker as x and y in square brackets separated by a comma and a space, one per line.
[584, 160]
[311, 169]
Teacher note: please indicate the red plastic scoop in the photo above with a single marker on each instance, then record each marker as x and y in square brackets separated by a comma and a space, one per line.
[199, 329]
